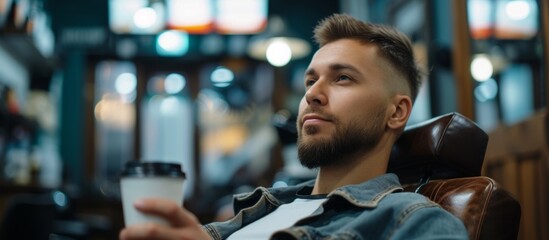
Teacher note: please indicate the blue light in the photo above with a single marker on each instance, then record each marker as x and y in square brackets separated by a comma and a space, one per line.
[172, 43]
[60, 199]
[222, 77]
[487, 90]
[174, 83]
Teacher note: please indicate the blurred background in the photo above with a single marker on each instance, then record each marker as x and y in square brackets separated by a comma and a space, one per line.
[214, 85]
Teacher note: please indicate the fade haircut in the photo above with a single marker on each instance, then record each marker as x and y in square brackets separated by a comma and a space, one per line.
[392, 44]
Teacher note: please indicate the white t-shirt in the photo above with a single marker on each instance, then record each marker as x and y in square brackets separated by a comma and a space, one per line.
[283, 217]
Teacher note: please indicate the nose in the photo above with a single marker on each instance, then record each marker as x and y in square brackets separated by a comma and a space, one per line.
[316, 94]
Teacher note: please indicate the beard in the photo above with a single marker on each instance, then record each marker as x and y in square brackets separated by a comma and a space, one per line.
[347, 142]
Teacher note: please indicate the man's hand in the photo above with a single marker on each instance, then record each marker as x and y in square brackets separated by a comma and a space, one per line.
[183, 224]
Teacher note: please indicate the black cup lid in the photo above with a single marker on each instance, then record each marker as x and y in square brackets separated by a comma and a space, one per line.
[135, 168]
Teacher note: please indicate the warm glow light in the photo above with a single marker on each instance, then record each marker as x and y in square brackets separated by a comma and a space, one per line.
[278, 44]
[192, 16]
[241, 16]
[481, 68]
[479, 16]
[279, 53]
[517, 9]
[115, 113]
[145, 17]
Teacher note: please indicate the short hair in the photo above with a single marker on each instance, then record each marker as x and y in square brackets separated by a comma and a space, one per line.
[393, 45]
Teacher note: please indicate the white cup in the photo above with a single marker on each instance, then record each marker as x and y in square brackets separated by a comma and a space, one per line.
[149, 180]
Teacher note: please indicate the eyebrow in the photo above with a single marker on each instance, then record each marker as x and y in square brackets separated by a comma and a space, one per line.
[334, 67]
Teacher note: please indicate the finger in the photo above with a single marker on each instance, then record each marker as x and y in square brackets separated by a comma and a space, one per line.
[167, 209]
[148, 231]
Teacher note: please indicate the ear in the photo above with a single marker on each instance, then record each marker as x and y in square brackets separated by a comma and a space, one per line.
[402, 108]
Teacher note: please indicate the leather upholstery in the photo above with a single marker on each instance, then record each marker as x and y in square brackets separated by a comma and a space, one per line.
[487, 210]
[451, 149]
[448, 146]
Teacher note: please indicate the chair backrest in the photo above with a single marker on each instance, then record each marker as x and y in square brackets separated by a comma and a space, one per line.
[442, 159]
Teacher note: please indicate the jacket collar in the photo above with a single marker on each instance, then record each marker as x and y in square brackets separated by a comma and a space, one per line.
[369, 193]
[366, 194]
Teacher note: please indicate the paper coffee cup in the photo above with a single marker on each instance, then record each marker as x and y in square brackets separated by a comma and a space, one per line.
[149, 180]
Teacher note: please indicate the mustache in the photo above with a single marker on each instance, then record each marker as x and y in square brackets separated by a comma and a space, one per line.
[323, 115]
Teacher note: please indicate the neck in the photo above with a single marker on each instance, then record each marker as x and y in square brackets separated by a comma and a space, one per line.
[360, 169]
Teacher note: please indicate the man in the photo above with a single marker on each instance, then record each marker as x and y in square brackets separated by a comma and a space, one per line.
[360, 86]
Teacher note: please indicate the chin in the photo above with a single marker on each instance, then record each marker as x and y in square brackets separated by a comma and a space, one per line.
[313, 139]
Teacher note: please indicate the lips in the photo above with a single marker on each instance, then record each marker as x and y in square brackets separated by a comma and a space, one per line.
[314, 118]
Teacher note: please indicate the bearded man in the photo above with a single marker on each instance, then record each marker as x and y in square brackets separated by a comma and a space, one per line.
[360, 87]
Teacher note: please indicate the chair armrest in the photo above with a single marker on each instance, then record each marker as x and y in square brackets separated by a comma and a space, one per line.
[487, 210]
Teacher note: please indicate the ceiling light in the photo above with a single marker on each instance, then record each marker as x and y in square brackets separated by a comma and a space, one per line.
[278, 33]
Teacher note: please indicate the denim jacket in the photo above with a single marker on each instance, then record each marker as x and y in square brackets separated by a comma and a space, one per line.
[375, 209]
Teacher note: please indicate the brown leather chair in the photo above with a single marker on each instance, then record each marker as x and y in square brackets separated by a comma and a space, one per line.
[442, 159]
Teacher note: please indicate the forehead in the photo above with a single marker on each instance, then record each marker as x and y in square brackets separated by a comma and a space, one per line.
[363, 57]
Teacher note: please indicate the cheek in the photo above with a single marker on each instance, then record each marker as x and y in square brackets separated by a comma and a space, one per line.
[361, 108]
[353, 102]
[302, 105]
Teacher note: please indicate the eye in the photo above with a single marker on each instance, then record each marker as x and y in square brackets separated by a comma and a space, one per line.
[343, 78]
[309, 82]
